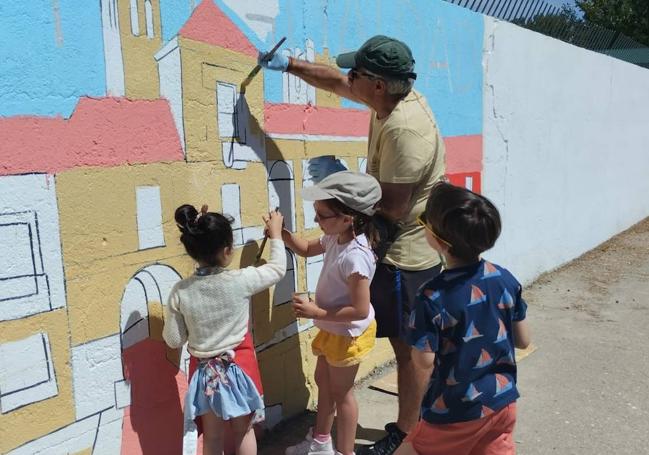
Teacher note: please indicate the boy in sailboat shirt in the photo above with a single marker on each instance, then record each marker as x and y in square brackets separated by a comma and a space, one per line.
[465, 324]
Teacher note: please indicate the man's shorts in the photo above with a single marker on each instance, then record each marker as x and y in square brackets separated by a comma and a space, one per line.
[490, 435]
[344, 351]
[392, 293]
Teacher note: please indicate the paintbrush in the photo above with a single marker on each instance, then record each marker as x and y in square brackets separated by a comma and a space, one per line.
[257, 68]
[263, 244]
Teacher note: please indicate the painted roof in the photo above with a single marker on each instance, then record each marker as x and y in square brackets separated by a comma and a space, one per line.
[210, 25]
[100, 132]
[314, 120]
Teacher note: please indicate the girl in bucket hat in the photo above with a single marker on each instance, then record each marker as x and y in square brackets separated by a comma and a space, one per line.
[344, 203]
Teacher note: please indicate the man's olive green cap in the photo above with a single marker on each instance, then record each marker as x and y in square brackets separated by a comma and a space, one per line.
[383, 56]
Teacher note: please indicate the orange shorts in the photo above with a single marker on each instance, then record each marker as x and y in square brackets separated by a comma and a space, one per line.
[490, 435]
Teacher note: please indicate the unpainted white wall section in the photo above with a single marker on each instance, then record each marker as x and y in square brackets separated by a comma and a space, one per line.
[565, 147]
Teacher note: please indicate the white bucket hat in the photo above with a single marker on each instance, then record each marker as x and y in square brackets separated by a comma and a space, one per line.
[356, 190]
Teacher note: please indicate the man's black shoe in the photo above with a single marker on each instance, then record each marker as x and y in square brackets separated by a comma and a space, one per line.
[387, 445]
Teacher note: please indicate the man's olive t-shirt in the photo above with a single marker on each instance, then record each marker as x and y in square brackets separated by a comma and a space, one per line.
[406, 147]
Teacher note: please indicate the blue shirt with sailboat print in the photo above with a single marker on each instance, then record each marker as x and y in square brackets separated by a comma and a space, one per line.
[465, 316]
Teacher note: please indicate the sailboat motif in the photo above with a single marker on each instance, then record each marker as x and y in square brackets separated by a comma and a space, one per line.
[471, 333]
[444, 320]
[486, 411]
[439, 406]
[489, 271]
[484, 360]
[502, 332]
[506, 301]
[477, 296]
[507, 360]
[502, 385]
[471, 393]
[432, 295]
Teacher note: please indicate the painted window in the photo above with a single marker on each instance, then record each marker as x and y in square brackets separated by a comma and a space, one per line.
[149, 217]
[231, 203]
[468, 182]
[135, 24]
[294, 89]
[23, 281]
[286, 287]
[148, 13]
[227, 114]
[31, 267]
[26, 372]
[281, 191]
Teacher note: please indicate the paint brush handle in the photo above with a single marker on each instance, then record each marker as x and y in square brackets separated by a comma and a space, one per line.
[270, 53]
[261, 249]
[263, 244]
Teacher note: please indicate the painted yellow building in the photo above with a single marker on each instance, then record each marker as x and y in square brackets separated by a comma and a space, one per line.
[90, 372]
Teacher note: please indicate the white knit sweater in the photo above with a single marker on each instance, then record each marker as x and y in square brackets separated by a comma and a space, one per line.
[211, 312]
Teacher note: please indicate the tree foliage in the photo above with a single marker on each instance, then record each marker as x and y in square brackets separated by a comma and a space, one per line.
[630, 17]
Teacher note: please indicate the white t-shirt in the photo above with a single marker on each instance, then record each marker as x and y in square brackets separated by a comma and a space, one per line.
[340, 262]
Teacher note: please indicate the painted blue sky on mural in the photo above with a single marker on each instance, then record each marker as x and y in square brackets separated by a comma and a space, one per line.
[446, 41]
[45, 73]
[52, 53]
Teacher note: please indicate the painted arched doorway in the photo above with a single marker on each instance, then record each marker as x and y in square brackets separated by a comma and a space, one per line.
[156, 378]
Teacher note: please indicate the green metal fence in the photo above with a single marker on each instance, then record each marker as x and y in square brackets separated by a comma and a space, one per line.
[542, 17]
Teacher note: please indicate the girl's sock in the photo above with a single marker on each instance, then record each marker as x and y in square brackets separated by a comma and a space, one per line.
[322, 438]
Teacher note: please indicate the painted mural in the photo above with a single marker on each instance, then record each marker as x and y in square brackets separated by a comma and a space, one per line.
[115, 112]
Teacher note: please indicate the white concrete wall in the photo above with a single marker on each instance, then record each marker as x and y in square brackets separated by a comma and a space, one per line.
[566, 147]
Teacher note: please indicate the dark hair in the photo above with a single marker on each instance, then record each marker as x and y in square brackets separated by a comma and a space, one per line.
[362, 223]
[205, 235]
[467, 220]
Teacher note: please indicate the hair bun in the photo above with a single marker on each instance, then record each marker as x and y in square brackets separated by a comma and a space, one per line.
[185, 217]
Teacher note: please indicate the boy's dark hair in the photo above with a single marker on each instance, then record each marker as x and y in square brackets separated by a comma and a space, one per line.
[362, 223]
[467, 220]
[205, 235]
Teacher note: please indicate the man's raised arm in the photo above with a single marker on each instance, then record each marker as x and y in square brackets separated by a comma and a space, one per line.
[318, 75]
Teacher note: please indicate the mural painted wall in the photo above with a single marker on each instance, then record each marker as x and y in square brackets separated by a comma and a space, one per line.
[114, 113]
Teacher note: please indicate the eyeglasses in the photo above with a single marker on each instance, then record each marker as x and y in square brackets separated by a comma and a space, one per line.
[327, 217]
[355, 74]
[421, 219]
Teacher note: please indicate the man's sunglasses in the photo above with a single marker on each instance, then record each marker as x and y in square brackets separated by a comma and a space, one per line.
[421, 219]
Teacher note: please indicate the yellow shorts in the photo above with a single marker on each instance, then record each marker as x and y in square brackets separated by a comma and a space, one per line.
[342, 350]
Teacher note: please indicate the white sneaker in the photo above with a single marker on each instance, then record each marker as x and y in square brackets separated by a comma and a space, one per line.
[311, 447]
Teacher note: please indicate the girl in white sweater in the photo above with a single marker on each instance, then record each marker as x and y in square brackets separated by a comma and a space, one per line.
[210, 311]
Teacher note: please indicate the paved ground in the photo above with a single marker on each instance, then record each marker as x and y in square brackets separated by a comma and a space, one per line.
[585, 390]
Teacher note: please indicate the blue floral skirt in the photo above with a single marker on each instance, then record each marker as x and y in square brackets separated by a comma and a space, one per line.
[219, 385]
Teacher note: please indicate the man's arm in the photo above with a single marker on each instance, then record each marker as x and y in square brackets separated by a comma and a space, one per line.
[395, 202]
[321, 76]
